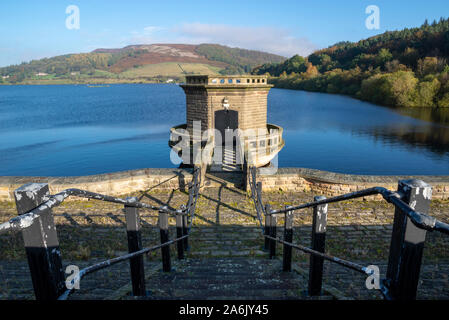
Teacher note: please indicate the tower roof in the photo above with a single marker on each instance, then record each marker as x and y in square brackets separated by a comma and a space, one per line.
[234, 81]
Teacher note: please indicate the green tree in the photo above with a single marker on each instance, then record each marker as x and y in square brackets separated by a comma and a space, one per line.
[383, 56]
[430, 65]
[296, 64]
[311, 71]
[426, 93]
[394, 89]
[444, 101]
[409, 57]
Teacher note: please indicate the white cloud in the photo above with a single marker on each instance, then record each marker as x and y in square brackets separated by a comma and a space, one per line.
[269, 39]
[151, 29]
[147, 35]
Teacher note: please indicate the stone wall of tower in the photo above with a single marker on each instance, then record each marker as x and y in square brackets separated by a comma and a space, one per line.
[203, 101]
[197, 107]
[251, 104]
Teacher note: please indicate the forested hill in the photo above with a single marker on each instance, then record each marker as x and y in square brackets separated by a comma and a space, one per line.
[397, 68]
[155, 62]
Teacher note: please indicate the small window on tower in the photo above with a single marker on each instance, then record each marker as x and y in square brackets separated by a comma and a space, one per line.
[222, 81]
[229, 80]
[214, 80]
[237, 81]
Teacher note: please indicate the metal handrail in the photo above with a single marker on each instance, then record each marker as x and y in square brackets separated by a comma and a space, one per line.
[255, 195]
[420, 220]
[196, 187]
[190, 208]
[110, 262]
[345, 263]
[25, 220]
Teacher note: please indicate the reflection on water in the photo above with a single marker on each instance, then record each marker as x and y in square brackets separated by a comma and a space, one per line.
[433, 138]
[337, 133]
[77, 130]
[434, 115]
[433, 134]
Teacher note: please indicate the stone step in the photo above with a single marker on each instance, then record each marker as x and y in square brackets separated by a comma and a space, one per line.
[227, 236]
[235, 284]
[226, 231]
[228, 162]
[228, 254]
[233, 263]
[234, 297]
[226, 278]
[220, 292]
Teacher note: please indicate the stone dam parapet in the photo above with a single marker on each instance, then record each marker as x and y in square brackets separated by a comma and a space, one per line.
[286, 179]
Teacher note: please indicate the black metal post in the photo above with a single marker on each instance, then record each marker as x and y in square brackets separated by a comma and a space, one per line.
[246, 173]
[318, 244]
[41, 243]
[288, 237]
[135, 244]
[259, 187]
[179, 234]
[185, 230]
[259, 196]
[273, 243]
[267, 226]
[407, 241]
[165, 251]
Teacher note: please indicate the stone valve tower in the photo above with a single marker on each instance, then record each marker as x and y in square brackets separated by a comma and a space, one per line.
[226, 127]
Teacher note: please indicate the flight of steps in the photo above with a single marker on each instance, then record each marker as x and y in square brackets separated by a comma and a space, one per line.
[228, 162]
[226, 263]
[226, 241]
[232, 278]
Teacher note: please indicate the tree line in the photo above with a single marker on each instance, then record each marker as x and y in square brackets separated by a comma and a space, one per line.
[406, 68]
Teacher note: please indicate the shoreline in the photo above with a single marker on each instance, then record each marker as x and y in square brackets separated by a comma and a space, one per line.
[82, 83]
[393, 107]
[286, 179]
[135, 81]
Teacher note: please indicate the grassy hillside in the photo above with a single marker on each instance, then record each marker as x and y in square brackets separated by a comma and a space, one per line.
[147, 63]
[399, 68]
[239, 60]
[169, 69]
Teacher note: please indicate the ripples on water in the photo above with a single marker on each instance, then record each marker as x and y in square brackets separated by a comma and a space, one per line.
[79, 130]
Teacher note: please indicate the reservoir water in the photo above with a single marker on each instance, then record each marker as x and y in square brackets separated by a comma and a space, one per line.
[71, 130]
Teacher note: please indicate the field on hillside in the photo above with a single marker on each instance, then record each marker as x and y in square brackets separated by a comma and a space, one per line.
[169, 69]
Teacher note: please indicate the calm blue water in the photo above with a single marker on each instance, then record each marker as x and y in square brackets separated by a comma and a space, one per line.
[78, 130]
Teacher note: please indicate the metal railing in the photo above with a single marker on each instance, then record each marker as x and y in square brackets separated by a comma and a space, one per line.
[411, 222]
[36, 222]
[261, 148]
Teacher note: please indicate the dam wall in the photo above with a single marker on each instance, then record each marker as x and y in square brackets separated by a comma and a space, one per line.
[286, 179]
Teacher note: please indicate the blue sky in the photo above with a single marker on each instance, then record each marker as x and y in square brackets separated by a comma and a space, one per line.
[37, 29]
